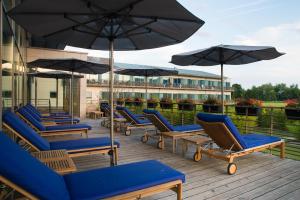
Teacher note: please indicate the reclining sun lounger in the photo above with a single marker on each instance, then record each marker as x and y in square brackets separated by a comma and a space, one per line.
[119, 121]
[34, 180]
[56, 119]
[135, 121]
[225, 134]
[33, 140]
[51, 130]
[168, 130]
[52, 114]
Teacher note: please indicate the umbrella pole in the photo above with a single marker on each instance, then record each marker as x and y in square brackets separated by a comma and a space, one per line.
[222, 89]
[72, 96]
[146, 78]
[111, 100]
[35, 90]
[1, 105]
[56, 93]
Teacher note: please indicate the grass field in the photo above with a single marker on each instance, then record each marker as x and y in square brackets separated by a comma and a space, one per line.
[274, 104]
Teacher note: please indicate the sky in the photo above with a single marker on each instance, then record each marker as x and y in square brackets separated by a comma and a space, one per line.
[235, 22]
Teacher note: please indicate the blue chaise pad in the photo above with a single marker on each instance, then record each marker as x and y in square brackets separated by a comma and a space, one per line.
[21, 168]
[82, 143]
[67, 120]
[134, 117]
[27, 132]
[228, 123]
[183, 128]
[187, 128]
[23, 111]
[112, 181]
[254, 140]
[60, 114]
[68, 126]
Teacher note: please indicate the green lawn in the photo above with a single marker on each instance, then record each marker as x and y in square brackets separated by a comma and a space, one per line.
[274, 104]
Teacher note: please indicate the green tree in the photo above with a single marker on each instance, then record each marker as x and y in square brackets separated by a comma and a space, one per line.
[238, 91]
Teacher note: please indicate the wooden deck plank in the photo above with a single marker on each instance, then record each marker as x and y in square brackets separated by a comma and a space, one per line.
[259, 175]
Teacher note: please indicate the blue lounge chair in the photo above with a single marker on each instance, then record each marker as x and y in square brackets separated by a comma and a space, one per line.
[118, 119]
[31, 178]
[226, 136]
[56, 119]
[76, 147]
[168, 130]
[53, 114]
[135, 121]
[51, 130]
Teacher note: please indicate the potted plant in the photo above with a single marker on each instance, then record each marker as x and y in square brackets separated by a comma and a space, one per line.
[152, 103]
[212, 105]
[250, 107]
[166, 103]
[186, 104]
[138, 101]
[120, 101]
[292, 109]
[129, 101]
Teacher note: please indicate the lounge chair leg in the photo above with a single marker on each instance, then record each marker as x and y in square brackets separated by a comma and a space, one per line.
[174, 145]
[179, 191]
[282, 150]
[116, 155]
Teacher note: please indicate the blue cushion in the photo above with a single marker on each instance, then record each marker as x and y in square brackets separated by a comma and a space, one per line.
[26, 131]
[21, 168]
[135, 118]
[68, 126]
[160, 117]
[32, 112]
[68, 120]
[187, 128]
[111, 181]
[228, 123]
[31, 119]
[82, 143]
[254, 140]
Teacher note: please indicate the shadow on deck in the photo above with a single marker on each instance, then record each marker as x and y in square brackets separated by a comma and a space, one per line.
[259, 175]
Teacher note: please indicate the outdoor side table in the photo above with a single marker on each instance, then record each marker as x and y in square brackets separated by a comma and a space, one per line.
[96, 114]
[175, 136]
[197, 141]
[119, 123]
[58, 160]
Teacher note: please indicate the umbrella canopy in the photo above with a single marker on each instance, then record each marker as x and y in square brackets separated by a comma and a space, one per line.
[226, 54]
[113, 25]
[53, 74]
[144, 70]
[72, 65]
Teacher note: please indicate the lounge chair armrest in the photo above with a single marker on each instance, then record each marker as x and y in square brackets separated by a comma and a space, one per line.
[46, 123]
[66, 130]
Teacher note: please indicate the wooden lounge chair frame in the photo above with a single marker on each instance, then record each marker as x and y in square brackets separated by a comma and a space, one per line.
[133, 125]
[119, 123]
[27, 145]
[81, 131]
[165, 132]
[229, 147]
[176, 186]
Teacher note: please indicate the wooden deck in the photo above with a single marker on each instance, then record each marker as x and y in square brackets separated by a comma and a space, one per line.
[259, 176]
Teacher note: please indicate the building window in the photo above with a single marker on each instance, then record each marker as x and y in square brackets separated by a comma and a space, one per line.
[53, 94]
[6, 94]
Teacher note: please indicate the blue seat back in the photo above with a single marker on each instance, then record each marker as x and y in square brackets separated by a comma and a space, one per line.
[227, 122]
[12, 120]
[19, 167]
[130, 114]
[159, 121]
[33, 109]
[31, 119]
[33, 113]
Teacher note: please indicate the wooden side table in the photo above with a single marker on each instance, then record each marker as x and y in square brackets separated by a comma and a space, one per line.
[96, 114]
[58, 160]
[197, 141]
[175, 136]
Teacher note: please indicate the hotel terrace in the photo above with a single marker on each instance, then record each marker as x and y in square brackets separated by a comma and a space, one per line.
[170, 153]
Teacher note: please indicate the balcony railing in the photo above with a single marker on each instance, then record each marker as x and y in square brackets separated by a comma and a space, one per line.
[155, 85]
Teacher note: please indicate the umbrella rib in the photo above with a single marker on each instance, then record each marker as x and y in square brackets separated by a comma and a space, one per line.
[96, 36]
[204, 57]
[135, 28]
[76, 22]
[167, 18]
[74, 26]
[94, 5]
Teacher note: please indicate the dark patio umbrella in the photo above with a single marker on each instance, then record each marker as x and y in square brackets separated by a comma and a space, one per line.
[108, 25]
[72, 65]
[52, 74]
[225, 54]
[144, 70]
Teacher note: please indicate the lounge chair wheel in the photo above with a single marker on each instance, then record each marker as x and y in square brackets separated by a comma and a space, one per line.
[197, 156]
[144, 139]
[231, 169]
[159, 145]
[127, 132]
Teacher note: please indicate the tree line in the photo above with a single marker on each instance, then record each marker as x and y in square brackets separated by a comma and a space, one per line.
[267, 92]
